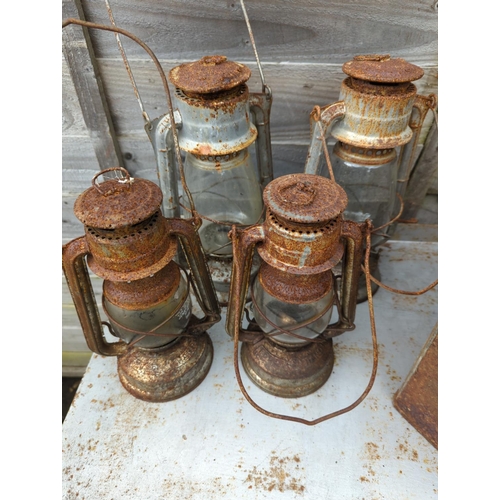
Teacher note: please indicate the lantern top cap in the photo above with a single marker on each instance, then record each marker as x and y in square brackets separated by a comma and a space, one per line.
[305, 198]
[209, 75]
[382, 69]
[116, 203]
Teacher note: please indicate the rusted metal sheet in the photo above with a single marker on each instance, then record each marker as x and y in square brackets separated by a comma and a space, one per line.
[417, 399]
[294, 289]
[382, 69]
[209, 75]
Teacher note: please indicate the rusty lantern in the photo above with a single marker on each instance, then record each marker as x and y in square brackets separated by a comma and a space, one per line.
[164, 351]
[287, 347]
[379, 112]
[218, 120]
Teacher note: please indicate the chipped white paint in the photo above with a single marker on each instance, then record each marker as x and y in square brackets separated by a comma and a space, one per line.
[303, 257]
[212, 444]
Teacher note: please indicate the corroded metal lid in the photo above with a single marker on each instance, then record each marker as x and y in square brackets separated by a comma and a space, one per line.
[209, 75]
[118, 203]
[382, 69]
[305, 198]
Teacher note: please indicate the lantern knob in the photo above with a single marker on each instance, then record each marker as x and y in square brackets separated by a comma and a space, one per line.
[297, 193]
[213, 60]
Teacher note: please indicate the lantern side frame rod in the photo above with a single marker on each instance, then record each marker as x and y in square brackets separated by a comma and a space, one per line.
[163, 77]
[265, 88]
[80, 287]
[321, 121]
[127, 65]
[260, 107]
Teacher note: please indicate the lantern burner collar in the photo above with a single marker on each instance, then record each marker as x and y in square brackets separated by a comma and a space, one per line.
[209, 75]
[305, 198]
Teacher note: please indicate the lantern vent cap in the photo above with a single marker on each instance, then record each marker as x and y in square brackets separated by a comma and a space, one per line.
[305, 198]
[209, 75]
[382, 69]
[118, 203]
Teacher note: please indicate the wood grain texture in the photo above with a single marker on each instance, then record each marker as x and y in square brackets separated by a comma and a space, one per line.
[322, 31]
[79, 54]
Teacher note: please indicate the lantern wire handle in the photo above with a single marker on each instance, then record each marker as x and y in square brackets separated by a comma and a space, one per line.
[316, 115]
[374, 365]
[151, 54]
[265, 88]
[127, 65]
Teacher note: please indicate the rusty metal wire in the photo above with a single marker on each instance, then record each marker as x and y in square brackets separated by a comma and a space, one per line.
[289, 331]
[374, 365]
[404, 292]
[115, 29]
[265, 88]
[152, 332]
[316, 115]
[225, 223]
[401, 208]
[127, 65]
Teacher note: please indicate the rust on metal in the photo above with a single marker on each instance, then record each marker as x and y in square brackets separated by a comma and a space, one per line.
[364, 156]
[117, 203]
[145, 292]
[417, 399]
[299, 245]
[209, 75]
[225, 100]
[169, 372]
[305, 198]
[288, 372]
[377, 115]
[303, 224]
[131, 252]
[382, 69]
[131, 245]
[294, 289]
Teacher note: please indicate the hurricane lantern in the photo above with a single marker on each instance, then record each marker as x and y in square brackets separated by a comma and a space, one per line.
[287, 347]
[163, 349]
[376, 125]
[217, 119]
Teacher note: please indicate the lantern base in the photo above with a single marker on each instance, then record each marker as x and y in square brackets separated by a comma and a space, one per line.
[288, 372]
[166, 373]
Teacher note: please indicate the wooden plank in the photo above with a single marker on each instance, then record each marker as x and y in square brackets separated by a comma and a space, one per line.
[72, 117]
[422, 176]
[322, 31]
[77, 49]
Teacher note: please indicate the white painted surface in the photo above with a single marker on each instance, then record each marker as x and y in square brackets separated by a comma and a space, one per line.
[212, 444]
